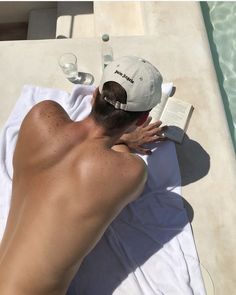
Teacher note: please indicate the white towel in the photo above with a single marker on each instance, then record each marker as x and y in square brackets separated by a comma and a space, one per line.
[148, 248]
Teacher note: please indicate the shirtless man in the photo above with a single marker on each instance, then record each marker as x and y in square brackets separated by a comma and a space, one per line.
[71, 179]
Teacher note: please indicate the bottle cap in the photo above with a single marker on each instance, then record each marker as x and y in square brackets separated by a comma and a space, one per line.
[105, 37]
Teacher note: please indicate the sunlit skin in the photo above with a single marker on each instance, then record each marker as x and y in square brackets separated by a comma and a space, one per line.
[70, 181]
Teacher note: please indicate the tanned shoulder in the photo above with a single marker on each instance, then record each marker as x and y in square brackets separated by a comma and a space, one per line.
[41, 131]
[137, 173]
[131, 174]
[48, 112]
[120, 177]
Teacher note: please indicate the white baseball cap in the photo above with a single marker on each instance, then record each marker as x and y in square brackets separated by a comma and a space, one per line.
[140, 79]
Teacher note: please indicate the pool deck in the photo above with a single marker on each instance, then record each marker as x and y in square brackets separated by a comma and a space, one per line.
[176, 42]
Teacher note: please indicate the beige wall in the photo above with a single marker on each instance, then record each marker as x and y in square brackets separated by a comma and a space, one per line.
[18, 11]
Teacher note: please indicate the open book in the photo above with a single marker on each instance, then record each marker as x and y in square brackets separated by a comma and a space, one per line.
[174, 113]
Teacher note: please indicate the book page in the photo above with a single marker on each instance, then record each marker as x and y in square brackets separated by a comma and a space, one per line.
[157, 110]
[176, 113]
[166, 89]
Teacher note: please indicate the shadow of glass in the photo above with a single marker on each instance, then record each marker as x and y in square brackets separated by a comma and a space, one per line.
[83, 78]
[194, 161]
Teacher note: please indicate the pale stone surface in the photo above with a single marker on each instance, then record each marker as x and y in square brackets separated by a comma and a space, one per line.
[118, 18]
[83, 26]
[64, 26]
[75, 19]
[177, 44]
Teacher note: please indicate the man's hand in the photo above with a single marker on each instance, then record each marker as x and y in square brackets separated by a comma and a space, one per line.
[146, 133]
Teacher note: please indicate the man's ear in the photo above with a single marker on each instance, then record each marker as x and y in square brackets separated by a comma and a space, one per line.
[142, 119]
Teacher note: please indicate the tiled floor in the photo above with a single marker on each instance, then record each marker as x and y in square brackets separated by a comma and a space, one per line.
[13, 31]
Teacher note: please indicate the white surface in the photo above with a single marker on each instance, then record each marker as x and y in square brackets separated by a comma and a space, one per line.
[118, 18]
[64, 26]
[149, 248]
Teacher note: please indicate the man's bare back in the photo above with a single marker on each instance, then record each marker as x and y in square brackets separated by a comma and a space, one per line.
[68, 185]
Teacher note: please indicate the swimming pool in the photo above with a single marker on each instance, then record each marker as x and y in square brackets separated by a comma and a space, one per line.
[220, 21]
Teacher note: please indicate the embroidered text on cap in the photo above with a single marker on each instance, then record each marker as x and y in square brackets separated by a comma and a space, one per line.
[124, 76]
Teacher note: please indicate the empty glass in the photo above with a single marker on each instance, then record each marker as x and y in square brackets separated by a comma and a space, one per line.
[68, 64]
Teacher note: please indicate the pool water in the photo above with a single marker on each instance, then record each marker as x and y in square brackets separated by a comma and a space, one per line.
[220, 20]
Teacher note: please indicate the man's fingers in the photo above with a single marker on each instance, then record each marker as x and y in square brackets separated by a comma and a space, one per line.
[153, 125]
[146, 123]
[156, 131]
[155, 138]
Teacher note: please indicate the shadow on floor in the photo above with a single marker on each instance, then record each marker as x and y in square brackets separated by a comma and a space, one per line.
[194, 161]
[13, 31]
[194, 164]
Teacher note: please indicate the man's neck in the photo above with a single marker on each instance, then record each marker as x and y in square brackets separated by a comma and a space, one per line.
[95, 131]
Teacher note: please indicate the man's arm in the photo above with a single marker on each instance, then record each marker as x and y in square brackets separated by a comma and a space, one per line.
[146, 133]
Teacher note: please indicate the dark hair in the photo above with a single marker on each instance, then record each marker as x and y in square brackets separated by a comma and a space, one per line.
[105, 114]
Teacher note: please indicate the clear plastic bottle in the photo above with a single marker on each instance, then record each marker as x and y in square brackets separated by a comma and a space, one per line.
[107, 52]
